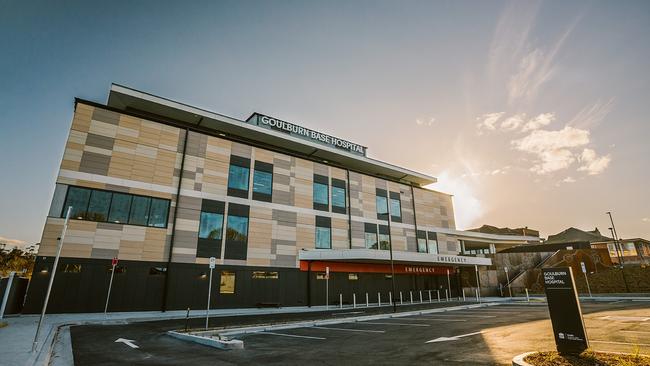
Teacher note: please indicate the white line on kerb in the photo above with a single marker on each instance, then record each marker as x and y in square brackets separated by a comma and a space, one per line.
[352, 330]
[290, 335]
[459, 316]
[405, 324]
[446, 320]
[631, 344]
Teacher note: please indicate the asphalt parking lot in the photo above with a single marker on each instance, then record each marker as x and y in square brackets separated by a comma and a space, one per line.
[480, 336]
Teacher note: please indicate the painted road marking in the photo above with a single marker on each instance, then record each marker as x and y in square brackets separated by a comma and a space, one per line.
[290, 335]
[128, 342]
[405, 324]
[626, 343]
[349, 312]
[626, 318]
[462, 316]
[636, 331]
[352, 330]
[454, 338]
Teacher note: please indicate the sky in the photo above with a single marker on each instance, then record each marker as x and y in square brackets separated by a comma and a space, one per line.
[530, 113]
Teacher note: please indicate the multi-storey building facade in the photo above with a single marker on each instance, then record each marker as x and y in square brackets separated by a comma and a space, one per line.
[163, 187]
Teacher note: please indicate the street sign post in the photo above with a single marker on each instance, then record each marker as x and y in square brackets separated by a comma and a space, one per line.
[110, 284]
[584, 271]
[213, 263]
[448, 284]
[564, 309]
[327, 288]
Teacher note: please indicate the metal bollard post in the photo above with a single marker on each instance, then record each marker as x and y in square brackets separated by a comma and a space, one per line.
[438, 292]
[476, 290]
[340, 301]
[400, 298]
[411, 296]
[527, 297]
[367, 303]
[421, 297]
[187, 318]
[390, 298]
[463, 294]
[429, 296]
[446, 295]
[378, 298]
[354, 301]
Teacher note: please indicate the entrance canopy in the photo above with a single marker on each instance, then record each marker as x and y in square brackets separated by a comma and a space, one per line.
[383, 256]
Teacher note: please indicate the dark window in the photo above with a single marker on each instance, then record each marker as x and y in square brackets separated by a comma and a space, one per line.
[263, 181]
[100, 202]
[321, 193]
[158, 213]
[384, 238]
[432, 243]
[236, 232]
[139, 210]
[238, 176]
[395, 207]
[120, 207]
[422, 241]
[211, 226]
[323, 233]
[77, 198]
[371, 236]
[338, 196]
[382, 204]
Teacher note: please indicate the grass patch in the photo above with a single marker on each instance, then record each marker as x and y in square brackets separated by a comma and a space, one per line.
[587, 358]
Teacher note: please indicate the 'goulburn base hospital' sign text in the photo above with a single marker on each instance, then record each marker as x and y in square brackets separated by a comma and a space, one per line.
[305, 133]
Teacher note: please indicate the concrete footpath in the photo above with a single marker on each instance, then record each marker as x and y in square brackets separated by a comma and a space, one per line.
[54, 346]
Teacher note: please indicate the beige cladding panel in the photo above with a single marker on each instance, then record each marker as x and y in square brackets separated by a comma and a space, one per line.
[340, 239]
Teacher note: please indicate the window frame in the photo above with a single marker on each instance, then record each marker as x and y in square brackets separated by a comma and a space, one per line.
[382, 194]
[265, 168]
[395, 197]
[338, 184]
[244, 163]
[322, 222]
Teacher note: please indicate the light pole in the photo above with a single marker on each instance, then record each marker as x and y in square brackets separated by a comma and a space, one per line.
[617, 242]
[618, 254]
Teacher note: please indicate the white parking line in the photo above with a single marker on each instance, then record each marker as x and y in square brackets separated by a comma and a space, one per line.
[460, 316]
[446, 320]
[289, 335]
[405, 324]
[352, 330]
[626, 318]
[626, 343]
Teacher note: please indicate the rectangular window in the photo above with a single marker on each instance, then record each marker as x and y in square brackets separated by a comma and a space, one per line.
[120, 207]
[339, 197]
[323, 233]
[58, 200]
[432, 243]
[264, 275]
[422, 241]
[210, 229]
[100, 202]
[371, 236]
[139, 210]
[238, 176]
[384, 238]
[77, 198]
[321, 192]
[210, 226]
[158, 213]
[227, 285]
[236, 232]
[395, 207]
[263, 181]
[382, 204]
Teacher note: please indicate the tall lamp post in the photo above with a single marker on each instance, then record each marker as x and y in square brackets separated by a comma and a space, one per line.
[617, 243]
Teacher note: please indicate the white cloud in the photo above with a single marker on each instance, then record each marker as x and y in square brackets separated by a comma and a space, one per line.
[467, 207]
[488, 120]
[568, 180]
[514, 122]
[592, 115]
[421, 122]
[552, 148]
[646, 219]
[12, 242]
[592, 163]
[538, 122]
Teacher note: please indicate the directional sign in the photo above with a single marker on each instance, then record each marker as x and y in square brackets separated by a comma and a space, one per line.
[327, 273]
[128, 342]
[114, 262]
[454, 338]
[584, 268]
[213, 262]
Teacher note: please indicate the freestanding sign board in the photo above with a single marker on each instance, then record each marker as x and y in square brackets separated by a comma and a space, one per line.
[564, 308]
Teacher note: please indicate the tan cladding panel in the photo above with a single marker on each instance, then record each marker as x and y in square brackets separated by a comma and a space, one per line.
[86, 239]
[115, 145]
[434, 209]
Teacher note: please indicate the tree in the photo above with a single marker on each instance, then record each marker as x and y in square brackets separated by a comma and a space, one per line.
[18, 260]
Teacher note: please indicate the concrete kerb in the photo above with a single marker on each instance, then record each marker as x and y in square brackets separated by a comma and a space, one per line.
[314, 323]
[519, 359]
[221, 343]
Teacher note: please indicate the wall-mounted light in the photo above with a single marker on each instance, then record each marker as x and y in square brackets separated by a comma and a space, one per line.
[203, 275]
[44, 270]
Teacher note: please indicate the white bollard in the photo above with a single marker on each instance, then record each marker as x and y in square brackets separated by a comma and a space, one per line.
[400, 298]
[438, 292]
[477, 300]
[429, 296]
[447, 295]
[463, 294]
[421, 297]
[378, 298]
[367, 303]
[527, 297]
[340, 301]
[354, 301]
[411, 296]
[390, 298]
